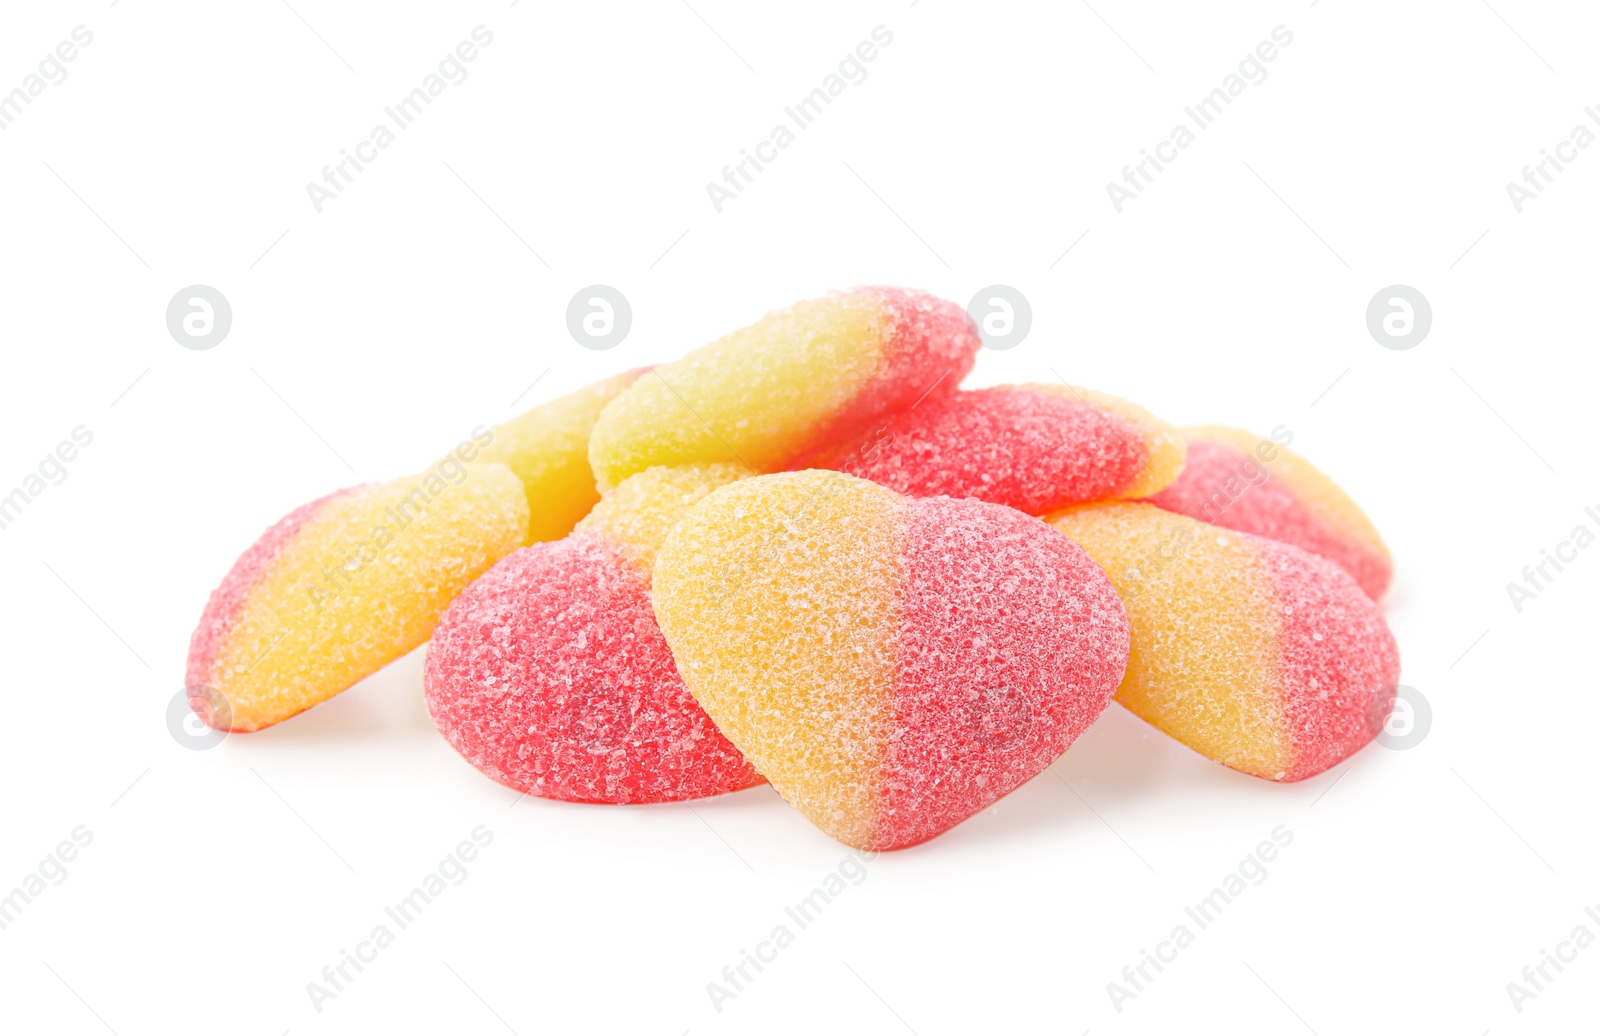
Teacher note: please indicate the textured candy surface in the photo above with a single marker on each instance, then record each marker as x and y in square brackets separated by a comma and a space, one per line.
[637, 515]
[1252, 652]
[548, 449]
[1037, 448]
[550, 675]
[343, 586]
[789, 384]
[1241, 481]
[892, 666]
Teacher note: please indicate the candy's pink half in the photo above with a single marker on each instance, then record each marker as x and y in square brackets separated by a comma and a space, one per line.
[1216, 487]
[929, 335]
[1011, 445]
[1010, 642]
[550, 675]
[1339, 664]
[931, 347]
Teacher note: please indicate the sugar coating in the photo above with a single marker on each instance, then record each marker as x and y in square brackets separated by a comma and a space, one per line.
[550, 675]
[1339, 665]
[637, 515]
[787, 385]
[548, 449]
[1252, 652]
[1036, 448]
[892, 666]
[343, 586]
[1010, 642]
[1242, 481]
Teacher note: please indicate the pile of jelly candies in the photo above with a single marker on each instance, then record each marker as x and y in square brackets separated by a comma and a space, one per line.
[802, 555]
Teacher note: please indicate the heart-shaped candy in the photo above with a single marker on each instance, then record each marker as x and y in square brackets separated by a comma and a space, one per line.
[892, 666]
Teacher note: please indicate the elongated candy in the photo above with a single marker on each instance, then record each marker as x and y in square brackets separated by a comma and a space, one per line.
[548, 449]
[1242, 481]
[1037, 448]
[892, 666]
[550, 675]
[788, 385]
[1252, 652]
[344, 585]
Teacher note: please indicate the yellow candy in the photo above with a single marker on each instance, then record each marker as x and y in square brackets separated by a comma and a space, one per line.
[548, 449]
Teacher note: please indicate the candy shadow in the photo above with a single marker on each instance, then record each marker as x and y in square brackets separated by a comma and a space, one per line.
[1119, 762]
[752, 801]
[1121, 757]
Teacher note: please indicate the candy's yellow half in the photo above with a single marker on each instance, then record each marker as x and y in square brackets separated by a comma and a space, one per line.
[807, 562]
[755, 397]
[1202, 613]
[360, 584]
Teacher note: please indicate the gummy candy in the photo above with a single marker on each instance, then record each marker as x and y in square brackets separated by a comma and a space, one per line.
[1244, 482]
[1252, 652]
[1037, 448]
[891, 665]
[788, 385]
[344, 585]
[550, 675]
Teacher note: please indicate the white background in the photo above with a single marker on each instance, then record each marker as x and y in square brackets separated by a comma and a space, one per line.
[370, 337]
